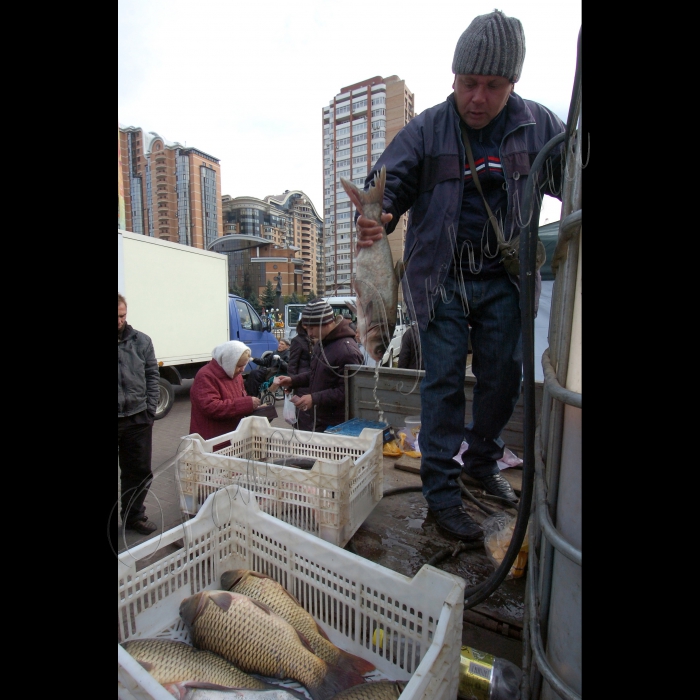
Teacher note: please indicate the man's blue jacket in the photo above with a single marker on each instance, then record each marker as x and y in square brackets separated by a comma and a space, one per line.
[425, 165]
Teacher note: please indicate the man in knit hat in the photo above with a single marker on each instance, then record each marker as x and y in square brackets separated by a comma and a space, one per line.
[335, 347]
[454, 271]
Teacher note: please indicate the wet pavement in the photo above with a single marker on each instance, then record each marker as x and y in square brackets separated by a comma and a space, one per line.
[399, 534]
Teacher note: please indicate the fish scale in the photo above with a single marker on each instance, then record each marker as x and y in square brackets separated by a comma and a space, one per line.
[265, 589]
[280, 601]
[376, 277]
[259, 647]
[172, 661]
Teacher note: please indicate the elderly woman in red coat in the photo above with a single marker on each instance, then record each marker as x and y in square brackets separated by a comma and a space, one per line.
[218, 396]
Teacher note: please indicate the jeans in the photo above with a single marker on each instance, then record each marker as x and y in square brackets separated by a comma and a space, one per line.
[492, 309]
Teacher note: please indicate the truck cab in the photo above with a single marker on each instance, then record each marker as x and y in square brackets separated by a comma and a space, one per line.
[246, 325]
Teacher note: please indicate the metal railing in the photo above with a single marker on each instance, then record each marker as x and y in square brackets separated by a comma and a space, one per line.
[552, 624]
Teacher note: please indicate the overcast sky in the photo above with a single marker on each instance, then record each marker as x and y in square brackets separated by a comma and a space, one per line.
[246, 82]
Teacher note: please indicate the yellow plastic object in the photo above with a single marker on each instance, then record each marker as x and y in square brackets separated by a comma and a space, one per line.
[395, 448]
[391, 449]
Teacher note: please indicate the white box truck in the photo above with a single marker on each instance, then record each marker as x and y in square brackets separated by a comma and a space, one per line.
[178, 295]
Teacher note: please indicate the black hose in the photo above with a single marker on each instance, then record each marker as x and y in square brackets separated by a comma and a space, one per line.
[402, 489]
[576, 96]
[471, 497]
[490, 496]
[528, 250]
[501, 501]
[453, 551]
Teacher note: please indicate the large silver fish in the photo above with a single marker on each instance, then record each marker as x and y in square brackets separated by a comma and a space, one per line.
[376, 277]
[251, 636]
[281, 601]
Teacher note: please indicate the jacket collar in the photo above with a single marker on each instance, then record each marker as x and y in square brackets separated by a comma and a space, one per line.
[126, 333]
[517, 112]
[342, 330]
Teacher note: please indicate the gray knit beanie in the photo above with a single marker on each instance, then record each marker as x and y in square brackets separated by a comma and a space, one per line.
[492, 44]
[317, 312]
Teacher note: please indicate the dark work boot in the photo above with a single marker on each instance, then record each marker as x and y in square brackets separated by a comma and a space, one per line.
[143, 527]
[458, 523]
[497, 485]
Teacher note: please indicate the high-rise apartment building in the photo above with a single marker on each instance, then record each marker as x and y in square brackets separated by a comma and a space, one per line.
[170, 192]
[358, 124]
[288, 222]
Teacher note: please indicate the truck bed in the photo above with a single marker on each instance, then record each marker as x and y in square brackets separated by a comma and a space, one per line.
[398, 391]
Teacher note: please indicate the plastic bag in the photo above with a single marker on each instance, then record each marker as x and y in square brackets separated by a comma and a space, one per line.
[290, 410]
[498, 532]
[408, 443]
[391, 449]
[509, 459]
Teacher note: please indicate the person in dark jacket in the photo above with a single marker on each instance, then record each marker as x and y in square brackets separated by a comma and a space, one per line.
[335, 347]
[138, 392]
[267, 367]
[455, 275]
[300, 351]
[410, 356]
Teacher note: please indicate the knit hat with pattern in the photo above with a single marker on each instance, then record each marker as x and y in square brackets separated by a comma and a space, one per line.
[492, 44]
[317, 312]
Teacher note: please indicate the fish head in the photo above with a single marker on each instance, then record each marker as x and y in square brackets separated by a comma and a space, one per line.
[374, 328]
[191, 608]
[377, 341]
[230, 578]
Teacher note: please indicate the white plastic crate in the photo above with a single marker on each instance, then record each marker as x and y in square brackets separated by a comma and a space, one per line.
[330, 500]
[350, 597]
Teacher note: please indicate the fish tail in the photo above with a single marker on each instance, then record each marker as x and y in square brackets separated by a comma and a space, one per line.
[350, 662]
[380, 183]
[374, 195]
[177, 690]
[336, 680]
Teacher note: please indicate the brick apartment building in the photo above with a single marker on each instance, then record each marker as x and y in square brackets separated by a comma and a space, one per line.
[169, 191]
[277, 238]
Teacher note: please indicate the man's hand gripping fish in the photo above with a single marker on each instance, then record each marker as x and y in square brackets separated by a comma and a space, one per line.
[376, 277]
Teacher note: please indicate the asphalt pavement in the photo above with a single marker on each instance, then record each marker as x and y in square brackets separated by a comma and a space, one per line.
[163, 501]
[163, 508]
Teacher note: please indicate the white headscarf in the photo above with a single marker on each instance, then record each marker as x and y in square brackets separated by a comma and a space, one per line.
[228, 354]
